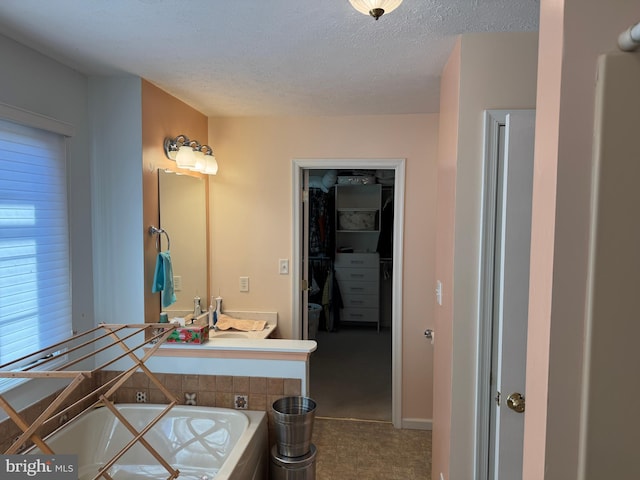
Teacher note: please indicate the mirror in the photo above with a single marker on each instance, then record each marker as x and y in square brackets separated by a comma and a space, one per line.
[183, 215]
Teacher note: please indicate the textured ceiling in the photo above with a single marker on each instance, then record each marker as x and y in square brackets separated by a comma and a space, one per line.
[266, 57]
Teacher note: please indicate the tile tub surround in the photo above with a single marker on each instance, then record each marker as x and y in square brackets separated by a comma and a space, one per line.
[209, 390]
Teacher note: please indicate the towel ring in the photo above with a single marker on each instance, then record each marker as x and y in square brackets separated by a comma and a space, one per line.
[159, 231]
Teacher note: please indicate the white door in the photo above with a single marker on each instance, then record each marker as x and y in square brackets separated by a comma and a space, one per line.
[511, 294]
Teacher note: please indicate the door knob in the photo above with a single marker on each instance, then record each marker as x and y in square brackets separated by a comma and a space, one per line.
[515, 402]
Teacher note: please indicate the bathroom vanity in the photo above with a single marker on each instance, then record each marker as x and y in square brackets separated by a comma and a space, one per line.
[270, 319]
[238, 353]
[269, 358]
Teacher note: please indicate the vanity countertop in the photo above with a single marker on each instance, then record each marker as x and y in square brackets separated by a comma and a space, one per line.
[247, 344]
[224, 343]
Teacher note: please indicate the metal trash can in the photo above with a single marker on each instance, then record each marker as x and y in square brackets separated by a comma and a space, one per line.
[293, 421]
[293, 468]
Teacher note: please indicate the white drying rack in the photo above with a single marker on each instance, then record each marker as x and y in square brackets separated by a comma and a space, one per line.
[153, 334]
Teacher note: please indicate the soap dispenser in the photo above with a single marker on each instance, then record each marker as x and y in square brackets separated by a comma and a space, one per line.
[212, 317]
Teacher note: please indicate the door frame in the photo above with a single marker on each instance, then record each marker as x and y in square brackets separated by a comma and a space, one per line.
[492, 172]
[398, 165]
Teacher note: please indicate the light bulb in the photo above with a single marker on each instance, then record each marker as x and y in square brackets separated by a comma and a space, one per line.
[211, 165]
[199, 164]
[185, 157]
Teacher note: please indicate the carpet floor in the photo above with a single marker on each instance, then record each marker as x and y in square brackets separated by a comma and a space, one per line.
[350, 374]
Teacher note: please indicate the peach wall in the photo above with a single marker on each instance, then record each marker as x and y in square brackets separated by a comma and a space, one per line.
[542, 233]
[162, 116]
[572, 34]
[497, 71]
[447, 164]
[251, 205]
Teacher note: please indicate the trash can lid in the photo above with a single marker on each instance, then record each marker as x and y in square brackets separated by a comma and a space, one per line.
[292, 463]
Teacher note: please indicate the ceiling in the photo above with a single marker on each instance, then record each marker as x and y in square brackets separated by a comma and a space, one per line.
[266, 57]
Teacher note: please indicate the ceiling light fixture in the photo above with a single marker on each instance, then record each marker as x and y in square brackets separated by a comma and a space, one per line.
[191, 155]
[375, 8]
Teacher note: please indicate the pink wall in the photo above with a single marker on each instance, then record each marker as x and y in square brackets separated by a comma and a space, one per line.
[251, 214]
[447, 164]
[486, 71]
[572, 34]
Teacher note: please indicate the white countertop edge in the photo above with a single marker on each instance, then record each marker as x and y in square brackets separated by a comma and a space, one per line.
[248, 345]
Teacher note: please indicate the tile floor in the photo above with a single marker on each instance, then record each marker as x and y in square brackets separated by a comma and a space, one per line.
[365, 450]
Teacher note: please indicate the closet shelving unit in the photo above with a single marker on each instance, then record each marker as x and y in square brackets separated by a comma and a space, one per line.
[147, 338]
[357, 263]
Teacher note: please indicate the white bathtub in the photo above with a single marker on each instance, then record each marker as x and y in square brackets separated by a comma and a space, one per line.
[217, 443]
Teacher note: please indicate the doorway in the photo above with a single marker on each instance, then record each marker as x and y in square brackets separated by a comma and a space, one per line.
[303, 286]
[506, 237]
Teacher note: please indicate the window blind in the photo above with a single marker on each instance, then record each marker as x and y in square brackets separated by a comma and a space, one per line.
[35, 286]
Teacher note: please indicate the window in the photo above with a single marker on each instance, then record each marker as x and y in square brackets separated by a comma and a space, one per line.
[35, 285]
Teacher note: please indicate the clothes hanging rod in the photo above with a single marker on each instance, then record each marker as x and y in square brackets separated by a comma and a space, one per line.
[629, 40]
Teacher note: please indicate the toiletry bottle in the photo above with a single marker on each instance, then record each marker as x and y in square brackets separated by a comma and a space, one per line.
[218, 306]
[197, 308]
[211, 313]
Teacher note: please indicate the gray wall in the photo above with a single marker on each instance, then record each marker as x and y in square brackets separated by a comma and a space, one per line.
[116, 180]
[36, 83]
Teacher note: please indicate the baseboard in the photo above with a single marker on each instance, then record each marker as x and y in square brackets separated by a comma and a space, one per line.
[417, 424]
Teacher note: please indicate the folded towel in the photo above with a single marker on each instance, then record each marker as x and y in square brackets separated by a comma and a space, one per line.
[163, 279]
[225, 322]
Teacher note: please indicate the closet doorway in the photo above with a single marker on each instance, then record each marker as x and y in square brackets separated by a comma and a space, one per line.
[347, 276]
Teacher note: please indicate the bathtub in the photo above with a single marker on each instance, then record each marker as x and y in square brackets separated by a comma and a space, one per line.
[200, 442]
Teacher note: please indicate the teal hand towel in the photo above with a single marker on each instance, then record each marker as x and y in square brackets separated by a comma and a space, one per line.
[163, 279]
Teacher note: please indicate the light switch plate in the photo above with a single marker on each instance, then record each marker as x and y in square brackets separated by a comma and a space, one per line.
[244, 284]
[439, 292]
[283, 266]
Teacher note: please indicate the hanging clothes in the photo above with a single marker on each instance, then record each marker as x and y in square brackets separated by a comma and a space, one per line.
[321, 223]
[385, 240]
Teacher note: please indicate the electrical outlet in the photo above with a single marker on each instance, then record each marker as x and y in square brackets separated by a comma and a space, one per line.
[283, 266]
[244, 284]
[177, 283]
[241, 402]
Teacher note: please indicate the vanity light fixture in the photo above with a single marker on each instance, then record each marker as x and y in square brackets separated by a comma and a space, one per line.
[375, 8]
[191, 155]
